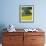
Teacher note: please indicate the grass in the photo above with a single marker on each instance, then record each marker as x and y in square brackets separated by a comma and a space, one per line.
[26, 17]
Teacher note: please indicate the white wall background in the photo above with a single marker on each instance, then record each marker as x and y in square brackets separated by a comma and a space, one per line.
[9, 13]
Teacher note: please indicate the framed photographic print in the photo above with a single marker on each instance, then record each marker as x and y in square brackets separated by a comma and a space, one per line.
[26, 13]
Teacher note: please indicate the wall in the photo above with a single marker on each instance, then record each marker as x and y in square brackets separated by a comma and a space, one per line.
[9, 13]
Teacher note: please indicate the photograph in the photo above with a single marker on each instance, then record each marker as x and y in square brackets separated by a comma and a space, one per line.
[26, 13]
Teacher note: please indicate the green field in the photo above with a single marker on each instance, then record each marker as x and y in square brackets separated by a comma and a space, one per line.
[26, 17]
